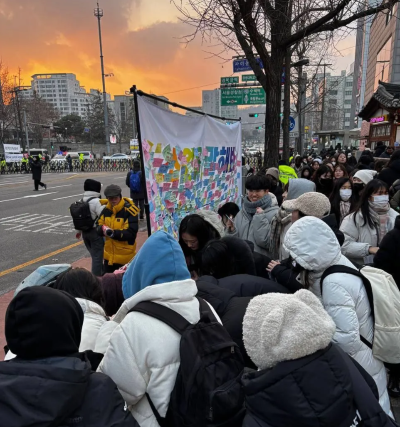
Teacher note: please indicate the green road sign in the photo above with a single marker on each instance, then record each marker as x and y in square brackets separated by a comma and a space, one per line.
[242, 96]
[249, 78]
[228, 80]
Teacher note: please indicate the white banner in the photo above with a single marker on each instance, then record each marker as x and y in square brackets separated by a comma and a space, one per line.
[13, 157]
[190, 163]
[12, 148]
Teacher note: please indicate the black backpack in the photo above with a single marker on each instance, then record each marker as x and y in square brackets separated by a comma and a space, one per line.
[207, 390]
[81, 216]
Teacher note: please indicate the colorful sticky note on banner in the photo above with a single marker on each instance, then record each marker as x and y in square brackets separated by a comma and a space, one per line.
[183, 161]
[169, 205]
[167, 153]
[163, 169]
[154, 187]
[145, 146]
[158, 148]
[175, 184]
[205, 152]
[146, 156]
[166, 186]
[157, 162]
[159, 178]
[175, 176]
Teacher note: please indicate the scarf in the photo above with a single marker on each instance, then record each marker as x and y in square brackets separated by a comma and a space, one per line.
[263, 203]
[278, 222]
[344, 209]
[380, 216]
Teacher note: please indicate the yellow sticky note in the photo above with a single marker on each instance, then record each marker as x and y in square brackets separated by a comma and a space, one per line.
[159, 178]
[158, 148]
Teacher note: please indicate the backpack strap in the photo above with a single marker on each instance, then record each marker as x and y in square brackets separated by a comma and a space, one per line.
[205, 308]
[367, 285]
[164, 314]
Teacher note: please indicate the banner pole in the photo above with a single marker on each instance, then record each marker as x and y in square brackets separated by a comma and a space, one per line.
[143, 183]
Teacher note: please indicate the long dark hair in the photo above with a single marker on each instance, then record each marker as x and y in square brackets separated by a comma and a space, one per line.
[363, 204]
[395, 156]
[335, 197]
[80, 283]
[321, 171]
[217, 261]
[196, 226]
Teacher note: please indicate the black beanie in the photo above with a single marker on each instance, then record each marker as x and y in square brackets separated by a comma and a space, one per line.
[92, 185]
[43, 322]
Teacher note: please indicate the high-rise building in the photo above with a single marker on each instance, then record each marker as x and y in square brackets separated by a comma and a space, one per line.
[337, 93]
[193, 114]
[211, 104]
[383, 58]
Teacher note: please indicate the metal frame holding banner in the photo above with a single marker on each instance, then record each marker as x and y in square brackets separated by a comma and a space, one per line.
[190, 163]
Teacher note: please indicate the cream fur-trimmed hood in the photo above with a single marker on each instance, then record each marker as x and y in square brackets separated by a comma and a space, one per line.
[279, 327]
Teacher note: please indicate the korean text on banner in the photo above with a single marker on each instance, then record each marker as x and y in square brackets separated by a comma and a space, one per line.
[12, 148]
[190, 163]
[13, 157]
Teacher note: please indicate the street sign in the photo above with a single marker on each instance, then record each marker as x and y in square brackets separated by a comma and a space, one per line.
[249, 78]
[228, 80]
[113, 139]
[240, 65]
[292, 123]
[86, 130]
[246, 96]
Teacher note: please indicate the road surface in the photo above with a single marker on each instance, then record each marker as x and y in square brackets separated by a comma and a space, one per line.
[36, 224]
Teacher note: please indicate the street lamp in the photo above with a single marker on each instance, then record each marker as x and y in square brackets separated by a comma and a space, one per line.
[98, 13]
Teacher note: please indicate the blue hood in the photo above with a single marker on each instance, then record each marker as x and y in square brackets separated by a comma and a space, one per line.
[160, 260]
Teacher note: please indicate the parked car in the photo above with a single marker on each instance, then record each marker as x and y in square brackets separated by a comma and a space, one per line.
[117, 156]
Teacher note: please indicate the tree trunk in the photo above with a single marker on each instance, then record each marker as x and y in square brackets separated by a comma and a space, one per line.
[286, 107]
[273, 107]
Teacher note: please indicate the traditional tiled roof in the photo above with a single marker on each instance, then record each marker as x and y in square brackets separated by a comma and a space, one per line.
[387, 96]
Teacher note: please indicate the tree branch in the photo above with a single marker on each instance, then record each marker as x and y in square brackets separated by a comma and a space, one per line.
[323, 24]
[306, 12]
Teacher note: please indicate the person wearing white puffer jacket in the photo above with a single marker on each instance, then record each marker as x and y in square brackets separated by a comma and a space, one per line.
[86, 288]
[143, 355]
[314, 247]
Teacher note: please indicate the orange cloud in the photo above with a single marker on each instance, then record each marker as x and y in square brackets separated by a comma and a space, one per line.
[142, 45]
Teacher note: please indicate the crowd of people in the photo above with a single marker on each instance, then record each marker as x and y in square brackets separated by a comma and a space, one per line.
[236, 323]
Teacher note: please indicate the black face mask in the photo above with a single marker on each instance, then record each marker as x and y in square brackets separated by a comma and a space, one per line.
[357, 187]
[326, 183]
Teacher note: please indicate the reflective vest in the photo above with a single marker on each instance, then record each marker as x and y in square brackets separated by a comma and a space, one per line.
[286, 173]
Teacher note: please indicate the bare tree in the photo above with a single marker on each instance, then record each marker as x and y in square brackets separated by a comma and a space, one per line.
[8, 118]
[268, 30]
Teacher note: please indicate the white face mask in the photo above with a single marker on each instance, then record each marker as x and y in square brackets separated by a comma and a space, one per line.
[345, 194]
[381, 200]
[333, 163]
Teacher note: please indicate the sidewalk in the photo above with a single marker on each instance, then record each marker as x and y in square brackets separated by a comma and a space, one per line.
[81, 263]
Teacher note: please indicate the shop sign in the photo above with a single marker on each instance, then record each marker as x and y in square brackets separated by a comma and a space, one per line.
[384, 118]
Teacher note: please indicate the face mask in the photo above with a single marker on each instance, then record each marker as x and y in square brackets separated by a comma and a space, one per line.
[357, 187]
[333, 163]
[381, 200]
[345, 194]
[326, 182]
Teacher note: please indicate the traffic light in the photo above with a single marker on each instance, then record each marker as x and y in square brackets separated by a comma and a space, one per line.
[253, 114]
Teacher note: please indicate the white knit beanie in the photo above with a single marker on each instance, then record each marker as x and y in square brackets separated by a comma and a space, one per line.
[279, 327]
[365, 175]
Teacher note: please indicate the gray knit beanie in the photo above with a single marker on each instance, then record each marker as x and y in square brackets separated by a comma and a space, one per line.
[279, 327]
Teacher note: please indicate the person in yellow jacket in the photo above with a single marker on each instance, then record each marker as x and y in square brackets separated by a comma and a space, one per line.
[119, 224]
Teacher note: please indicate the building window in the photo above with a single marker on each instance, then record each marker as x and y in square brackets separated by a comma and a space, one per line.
[347, 101]
[382, 130]
[348, 92]
[382, 63]
[333, 92]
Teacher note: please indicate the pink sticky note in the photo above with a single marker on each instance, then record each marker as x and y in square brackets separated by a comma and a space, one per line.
[154, 187]
[166, 186]
[184, 161]
[175, 184]
[213, 185]
[145, 146]
[169, 204]
[205, 152]
[146, 156]
[157, 162]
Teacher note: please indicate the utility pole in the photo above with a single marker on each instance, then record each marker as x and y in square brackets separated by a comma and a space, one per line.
[99, 13]
[323, 96]
[26, 134]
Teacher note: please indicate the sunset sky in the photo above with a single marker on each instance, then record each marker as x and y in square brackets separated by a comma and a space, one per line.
[141, 42]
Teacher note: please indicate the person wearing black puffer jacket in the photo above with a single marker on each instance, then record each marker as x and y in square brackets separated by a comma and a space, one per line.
[221, 267]
[49, 382]
[230, 309]
[303, 379]
[388, 256]
[392, 172]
